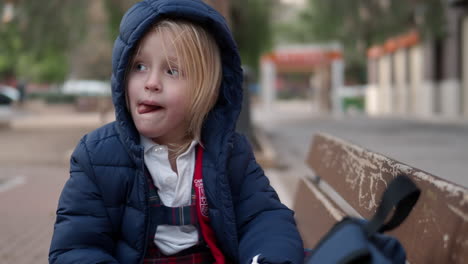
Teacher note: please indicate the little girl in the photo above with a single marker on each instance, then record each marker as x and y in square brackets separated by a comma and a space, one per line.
[170, 180]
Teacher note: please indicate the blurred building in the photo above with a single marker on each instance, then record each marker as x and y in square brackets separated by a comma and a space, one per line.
[411, 75]
[311, 72]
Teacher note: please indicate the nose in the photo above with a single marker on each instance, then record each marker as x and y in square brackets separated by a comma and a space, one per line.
[153, 82]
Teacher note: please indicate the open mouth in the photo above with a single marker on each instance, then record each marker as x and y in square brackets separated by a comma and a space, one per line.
[144, 108]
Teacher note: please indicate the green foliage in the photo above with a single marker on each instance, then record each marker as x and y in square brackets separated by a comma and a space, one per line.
[358, 24]
[115, 10]
[53, 68]
[35, 43]
[55, 25]
[10, 48]
[251, 26]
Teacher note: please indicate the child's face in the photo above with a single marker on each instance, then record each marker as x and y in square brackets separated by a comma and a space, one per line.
[158, 91]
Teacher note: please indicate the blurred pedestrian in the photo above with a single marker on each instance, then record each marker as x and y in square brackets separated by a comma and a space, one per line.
[170, 180]
[21, 86]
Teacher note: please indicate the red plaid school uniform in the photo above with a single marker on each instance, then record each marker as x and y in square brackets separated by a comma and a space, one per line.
[185, 215]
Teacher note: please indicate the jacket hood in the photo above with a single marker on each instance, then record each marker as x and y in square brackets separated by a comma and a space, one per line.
[136, 23]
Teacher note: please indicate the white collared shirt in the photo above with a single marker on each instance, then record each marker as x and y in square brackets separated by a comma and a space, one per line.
[174, 190]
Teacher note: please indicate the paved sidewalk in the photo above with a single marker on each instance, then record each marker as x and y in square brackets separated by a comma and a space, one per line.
[34, 165]
[438, 146]
[28, 213]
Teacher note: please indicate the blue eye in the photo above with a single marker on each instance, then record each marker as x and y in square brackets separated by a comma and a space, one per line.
[173, 72]
[140, 67]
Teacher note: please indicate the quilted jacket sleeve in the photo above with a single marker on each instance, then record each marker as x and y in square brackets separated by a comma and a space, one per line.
[266, 226]
[82, 231]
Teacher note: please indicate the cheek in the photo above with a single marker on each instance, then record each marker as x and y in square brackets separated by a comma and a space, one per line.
[183, 101]
[131, 103]
[131, 93]
[182, 95]
[180, 107]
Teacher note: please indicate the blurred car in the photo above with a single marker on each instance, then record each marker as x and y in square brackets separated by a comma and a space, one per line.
[8, 95]
[86, 87]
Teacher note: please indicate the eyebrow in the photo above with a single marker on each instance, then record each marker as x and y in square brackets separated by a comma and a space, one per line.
[171, 59]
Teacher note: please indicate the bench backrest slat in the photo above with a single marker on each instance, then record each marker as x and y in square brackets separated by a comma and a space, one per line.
[436, 230]
[315, 212]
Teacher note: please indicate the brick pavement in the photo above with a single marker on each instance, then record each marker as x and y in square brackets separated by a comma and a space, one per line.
[28, 213]
[36, 150]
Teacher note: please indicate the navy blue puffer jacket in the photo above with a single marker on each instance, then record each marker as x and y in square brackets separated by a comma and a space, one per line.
[102, 216]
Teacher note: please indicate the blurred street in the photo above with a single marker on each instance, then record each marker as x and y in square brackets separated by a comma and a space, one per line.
[36, 149]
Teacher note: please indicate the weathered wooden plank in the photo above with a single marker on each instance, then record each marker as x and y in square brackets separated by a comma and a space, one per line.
[436, 230]
[315, 213]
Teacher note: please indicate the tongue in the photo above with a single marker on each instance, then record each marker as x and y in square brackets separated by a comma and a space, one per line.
[143, 108]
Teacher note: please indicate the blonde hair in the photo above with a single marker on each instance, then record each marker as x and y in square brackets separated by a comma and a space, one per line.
[199, 57]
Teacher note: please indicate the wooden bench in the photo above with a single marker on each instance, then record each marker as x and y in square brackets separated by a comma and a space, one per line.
[349, 180]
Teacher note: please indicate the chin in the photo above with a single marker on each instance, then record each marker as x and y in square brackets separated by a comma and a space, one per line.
[148, 133]
[146, 130]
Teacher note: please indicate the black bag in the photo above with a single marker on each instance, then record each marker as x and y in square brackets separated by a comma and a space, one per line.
[355, 240]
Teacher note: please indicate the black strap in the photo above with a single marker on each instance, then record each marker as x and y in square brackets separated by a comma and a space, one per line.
[401, 193]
